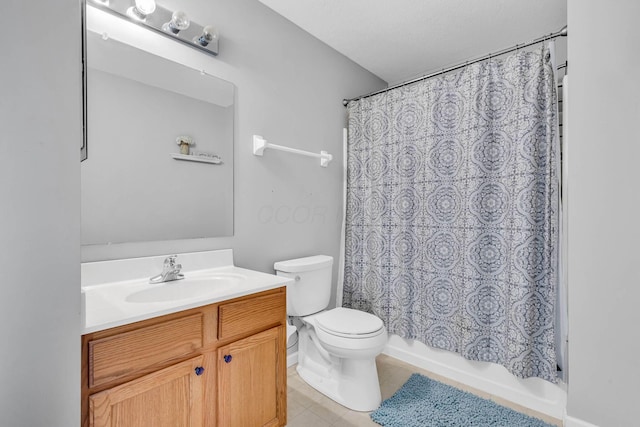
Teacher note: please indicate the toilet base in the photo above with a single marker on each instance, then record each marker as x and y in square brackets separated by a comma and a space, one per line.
[353, 383]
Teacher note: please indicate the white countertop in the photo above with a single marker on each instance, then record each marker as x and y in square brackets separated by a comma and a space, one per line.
[116, 303]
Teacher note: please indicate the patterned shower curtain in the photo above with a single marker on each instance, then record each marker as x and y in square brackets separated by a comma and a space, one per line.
[452, 212]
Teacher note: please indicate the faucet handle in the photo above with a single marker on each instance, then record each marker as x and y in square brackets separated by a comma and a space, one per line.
[170, 260]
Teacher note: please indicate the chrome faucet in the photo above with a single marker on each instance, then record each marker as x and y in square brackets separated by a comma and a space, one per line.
[170, 271]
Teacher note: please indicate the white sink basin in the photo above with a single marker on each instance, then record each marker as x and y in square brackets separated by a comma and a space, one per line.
[187, 288]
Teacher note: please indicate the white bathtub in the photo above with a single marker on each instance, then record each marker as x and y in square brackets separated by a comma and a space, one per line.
[533, 393]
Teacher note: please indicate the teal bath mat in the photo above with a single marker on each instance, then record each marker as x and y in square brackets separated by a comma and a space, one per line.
[423, 402]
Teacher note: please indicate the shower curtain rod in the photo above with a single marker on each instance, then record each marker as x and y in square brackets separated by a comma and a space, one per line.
[561, 33]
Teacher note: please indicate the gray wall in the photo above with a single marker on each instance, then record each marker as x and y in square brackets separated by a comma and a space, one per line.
[290, 88]
[40, 118]
[604, 150]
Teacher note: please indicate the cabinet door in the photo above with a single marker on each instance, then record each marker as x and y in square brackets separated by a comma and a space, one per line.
[252, 381]
[171, 397]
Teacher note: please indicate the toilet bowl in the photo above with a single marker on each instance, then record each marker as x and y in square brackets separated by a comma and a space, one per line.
[337, 347]
[340, 363]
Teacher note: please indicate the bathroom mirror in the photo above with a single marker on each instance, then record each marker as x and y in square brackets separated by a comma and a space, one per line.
[136, 184]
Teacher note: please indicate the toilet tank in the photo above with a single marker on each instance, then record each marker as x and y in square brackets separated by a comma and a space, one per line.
[311, 288]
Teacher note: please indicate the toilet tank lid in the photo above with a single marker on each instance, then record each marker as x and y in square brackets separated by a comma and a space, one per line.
[304, 264]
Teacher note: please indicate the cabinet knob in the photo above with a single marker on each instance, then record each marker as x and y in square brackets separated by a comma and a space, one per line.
[227, 358]
[199, 370]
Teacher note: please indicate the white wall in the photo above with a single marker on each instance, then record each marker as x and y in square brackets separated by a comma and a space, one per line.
[604, 151]
[290, 88]
[40, 119]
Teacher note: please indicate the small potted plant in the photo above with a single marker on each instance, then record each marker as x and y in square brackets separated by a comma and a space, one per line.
[184, 142]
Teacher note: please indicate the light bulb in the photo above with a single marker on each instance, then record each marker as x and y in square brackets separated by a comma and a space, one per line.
[209, 34]
[147, 7]
[179, 21]
[141, 9]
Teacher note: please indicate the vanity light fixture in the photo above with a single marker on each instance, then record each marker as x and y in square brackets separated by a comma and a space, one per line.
[174, 24]
[179, 21]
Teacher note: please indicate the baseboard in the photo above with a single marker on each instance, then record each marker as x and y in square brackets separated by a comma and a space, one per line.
[535, 394]
[292, 359]
[576, 422]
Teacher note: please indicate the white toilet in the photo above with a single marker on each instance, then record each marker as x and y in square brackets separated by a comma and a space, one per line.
[336, 348]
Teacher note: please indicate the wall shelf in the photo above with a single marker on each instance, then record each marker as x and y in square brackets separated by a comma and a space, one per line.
[194, 158]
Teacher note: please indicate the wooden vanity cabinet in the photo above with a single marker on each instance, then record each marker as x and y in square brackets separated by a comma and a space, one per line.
[222, 364]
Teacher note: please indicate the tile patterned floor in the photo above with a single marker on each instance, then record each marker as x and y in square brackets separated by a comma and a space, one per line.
[309, 408]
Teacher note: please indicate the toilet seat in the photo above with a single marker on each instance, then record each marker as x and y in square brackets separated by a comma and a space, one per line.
[349, 323]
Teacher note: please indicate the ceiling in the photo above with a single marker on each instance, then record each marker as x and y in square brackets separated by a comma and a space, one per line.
[402, 39]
